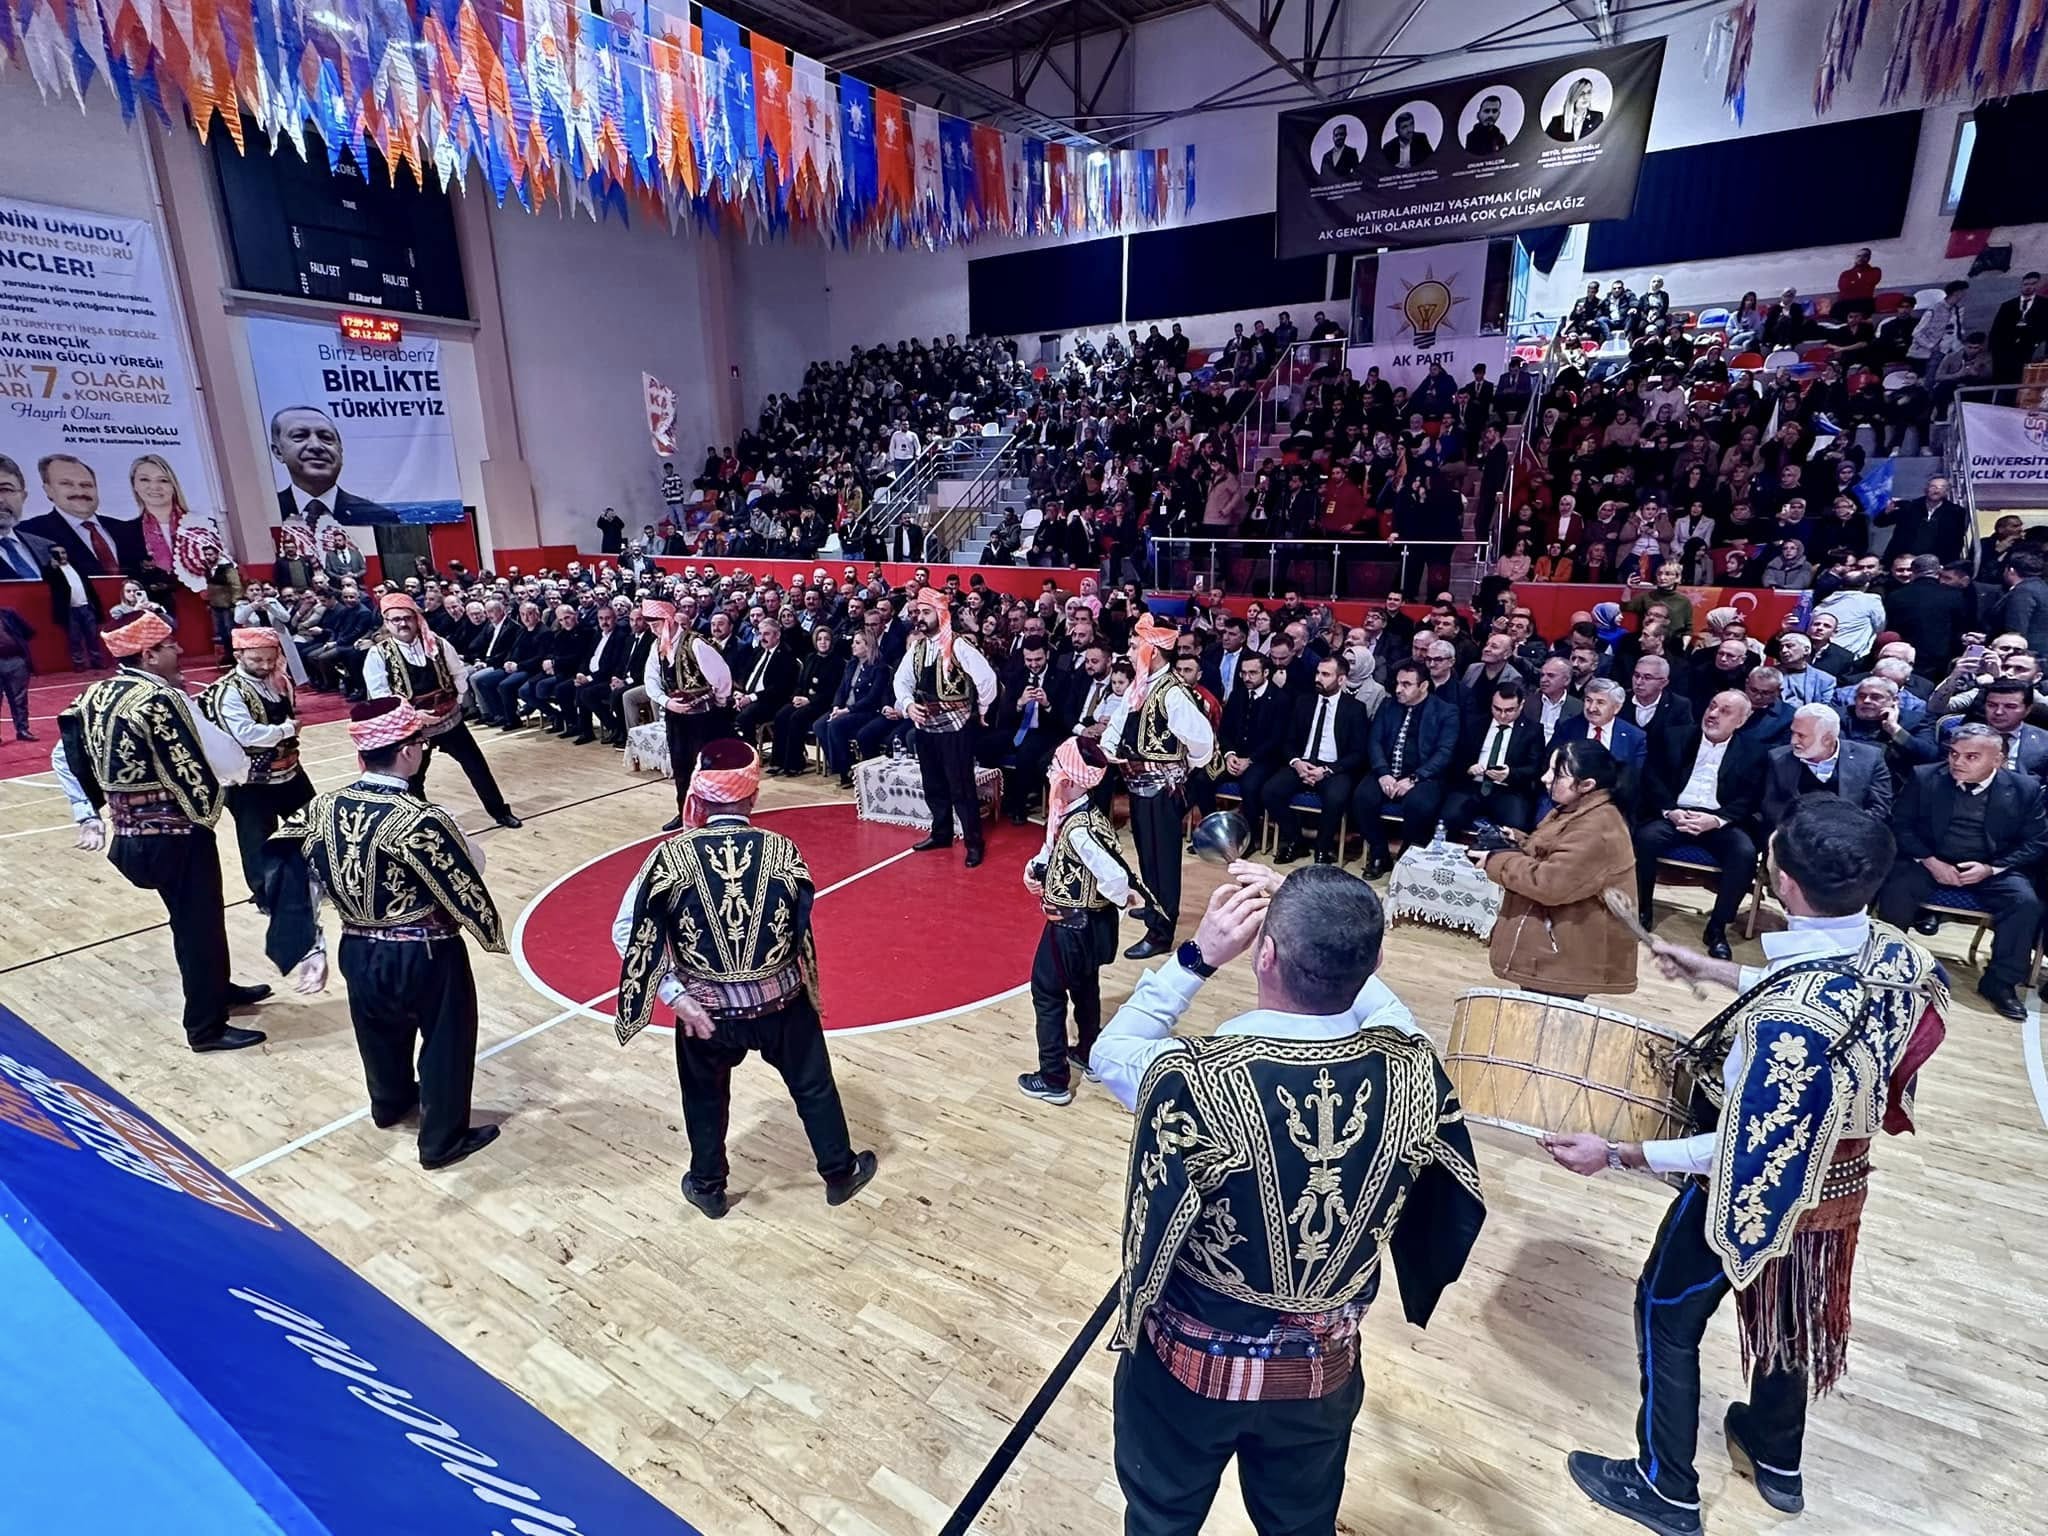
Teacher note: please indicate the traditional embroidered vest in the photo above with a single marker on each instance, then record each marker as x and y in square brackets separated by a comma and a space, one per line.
[1147, 736]
[1069, 882]
[934, 678]
[682, 678]
[267, 765]
[431, 686]
[390, 860]
[137, 742]
[1266, 1174]
[730, 905]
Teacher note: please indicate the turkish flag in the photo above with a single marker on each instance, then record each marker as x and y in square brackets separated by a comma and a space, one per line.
[892, 154]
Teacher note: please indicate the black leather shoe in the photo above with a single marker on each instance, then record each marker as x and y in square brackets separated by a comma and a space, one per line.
[475, 1139]
[386, 1122]
[1376, 866]
[509, 821]
[846, 781]
[711, 1202]
[930, 843]
[2003, 1000]
[1019, 819]
[582, 740]
[26, 736]
[246, 997]
[231, 1039]
[1287, 853]
[1147, 947]
[975, 855]
[1716, 942]
[1781, 1490]
[1621, 1487]
[673, 824]
[1325, 858]
[1927, 923]
[843, 1190]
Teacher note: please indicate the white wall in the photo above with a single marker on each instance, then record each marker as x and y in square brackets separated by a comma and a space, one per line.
[588, 307]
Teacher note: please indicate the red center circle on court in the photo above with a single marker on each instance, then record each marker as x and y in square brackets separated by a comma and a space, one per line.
[902, 937]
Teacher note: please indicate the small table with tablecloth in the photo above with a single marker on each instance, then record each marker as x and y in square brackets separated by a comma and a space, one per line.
[1442, 887]
[647, 747]
[891, 790]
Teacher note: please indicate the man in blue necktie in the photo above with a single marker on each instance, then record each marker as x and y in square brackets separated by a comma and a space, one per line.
[23, 556]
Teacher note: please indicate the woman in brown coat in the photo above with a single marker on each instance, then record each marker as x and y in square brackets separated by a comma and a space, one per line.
[1554, 933]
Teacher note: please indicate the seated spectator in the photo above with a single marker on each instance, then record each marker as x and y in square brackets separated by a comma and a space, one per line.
[1408, 758]
[2004, 705]
[1816, 761]
[1970, 824]
[1327, 748]
[1500, 778]
[1713, 811]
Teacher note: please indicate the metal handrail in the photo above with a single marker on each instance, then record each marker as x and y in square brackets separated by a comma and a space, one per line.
[1287, 561]
[910, 488]
[945, 526]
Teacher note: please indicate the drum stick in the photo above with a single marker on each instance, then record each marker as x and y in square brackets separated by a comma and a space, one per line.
[1624, 911]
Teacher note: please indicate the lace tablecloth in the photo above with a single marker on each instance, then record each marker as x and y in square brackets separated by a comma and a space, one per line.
[647, 747]
[1445, 890]
[890, 789]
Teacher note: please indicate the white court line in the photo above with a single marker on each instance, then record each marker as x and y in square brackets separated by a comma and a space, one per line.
[2030, 1047]
[353, 1116]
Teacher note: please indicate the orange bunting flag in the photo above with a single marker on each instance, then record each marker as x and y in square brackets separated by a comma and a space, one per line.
[895, 181]
[771, 107]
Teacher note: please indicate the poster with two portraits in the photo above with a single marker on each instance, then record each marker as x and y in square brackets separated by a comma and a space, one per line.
[1529, 145]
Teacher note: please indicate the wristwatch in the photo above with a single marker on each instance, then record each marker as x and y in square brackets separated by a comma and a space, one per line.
[1190, 957]
[1614, 1156]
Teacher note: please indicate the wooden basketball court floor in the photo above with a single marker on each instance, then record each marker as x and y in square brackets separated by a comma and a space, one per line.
[802, 1370]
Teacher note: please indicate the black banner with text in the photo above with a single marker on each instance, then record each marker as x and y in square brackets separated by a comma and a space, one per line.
[1556, 142]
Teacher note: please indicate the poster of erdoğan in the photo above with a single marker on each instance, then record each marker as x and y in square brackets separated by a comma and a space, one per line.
[98, 413]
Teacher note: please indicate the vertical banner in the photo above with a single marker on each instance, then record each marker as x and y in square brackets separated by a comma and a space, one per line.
[1559, 141]
[661, 415]
[1413, 308]
[359, 433]
[2008, 448]
[99, 412]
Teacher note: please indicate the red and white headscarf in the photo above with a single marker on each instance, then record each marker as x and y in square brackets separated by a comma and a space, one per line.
[1150, 640]
[1075, 771]
[662, 614]
[728, 773]
[141, 633]
[933, 599]
[384, 722]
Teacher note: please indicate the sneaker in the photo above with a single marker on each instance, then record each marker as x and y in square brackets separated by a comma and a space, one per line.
[1619, 1485]
[1079, 1060]
[1780, 1489]
[1034, 1086]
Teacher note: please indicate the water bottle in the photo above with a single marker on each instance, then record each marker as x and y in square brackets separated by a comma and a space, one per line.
[1441, 842]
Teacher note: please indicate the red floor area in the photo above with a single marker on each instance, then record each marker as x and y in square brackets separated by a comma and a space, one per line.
[49, 695]
[918, 936]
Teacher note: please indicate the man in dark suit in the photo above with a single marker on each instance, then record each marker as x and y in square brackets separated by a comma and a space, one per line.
[553, 684]
[1326, 747]
[2003, 705]
[97, 546]
[816, 683]
[1668, 723]
[2024, 608]
[1408, 761]
[1816, 761]
[589, 695]
[23, 555]
[763, 680]
[1220, 662]
[306, 442]
[1341, 158]
[1502, 775]
[2019, 326]
[1407, 148]
[1253, 735]
[1927, 525]
[1714, 811]
[1928, 615]
[1770, 717]
[1034, 713]
[1971, 824]
[1601, 723]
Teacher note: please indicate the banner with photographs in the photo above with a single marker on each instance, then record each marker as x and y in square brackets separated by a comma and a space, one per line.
[359, 434]
[99, 424]
[1556, 142]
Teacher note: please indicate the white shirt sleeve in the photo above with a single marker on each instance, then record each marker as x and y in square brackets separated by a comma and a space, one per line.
[979, 672]
[1695, 1154]
[376, 681]
[1142, 1029]
[906, 680]
[74, 792]
[1119, 709]
[224, 754]
[243, 726]
[669, 989]
[1110, 876]
[1377, 1007]
[1191, 724]
[713, 666]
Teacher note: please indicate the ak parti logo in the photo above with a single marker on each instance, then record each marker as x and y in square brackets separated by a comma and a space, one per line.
[77, 1118]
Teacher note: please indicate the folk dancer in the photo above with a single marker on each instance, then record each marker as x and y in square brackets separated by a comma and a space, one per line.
[254, 703]
[944, 684]
[1157, 732]
[406, 660]
[134, 744]
[1814, 1057]
[688, 684]
[408, 884]
[718, 926]
[1081, 881]
[1269, 1163]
